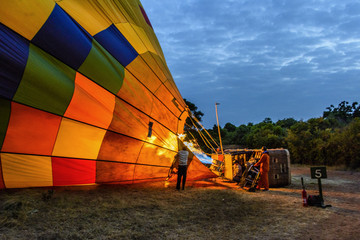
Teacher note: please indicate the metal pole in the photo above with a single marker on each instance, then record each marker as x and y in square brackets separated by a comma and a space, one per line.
[320, 191]
[217, 119]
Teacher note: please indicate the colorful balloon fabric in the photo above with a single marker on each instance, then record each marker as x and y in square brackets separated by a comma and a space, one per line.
[85, 96]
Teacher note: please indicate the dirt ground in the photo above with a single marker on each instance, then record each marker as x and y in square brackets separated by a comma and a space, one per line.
[341, 190]
[210, 209]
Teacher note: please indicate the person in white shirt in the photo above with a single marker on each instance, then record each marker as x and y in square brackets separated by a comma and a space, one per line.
[182, 156]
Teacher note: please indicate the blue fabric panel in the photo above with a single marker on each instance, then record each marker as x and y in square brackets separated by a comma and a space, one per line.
[14, 52]
[117, 45]
[64, 38]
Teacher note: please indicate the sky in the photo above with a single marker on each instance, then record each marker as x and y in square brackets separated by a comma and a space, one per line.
[260, 58]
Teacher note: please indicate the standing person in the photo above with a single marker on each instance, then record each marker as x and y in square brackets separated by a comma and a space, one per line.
[183, 156]
[237, 172]
[264, 169]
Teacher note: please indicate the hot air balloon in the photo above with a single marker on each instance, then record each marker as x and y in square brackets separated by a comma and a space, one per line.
[86, 96]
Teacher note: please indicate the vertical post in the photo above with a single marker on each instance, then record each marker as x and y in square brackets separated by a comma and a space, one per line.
[320, 191]
[217, 119]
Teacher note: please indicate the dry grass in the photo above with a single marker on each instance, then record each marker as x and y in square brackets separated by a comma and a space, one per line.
[205, 210]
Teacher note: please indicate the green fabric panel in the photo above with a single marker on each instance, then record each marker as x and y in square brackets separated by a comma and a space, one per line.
[5, 109]
[103, 68]
[47, 83]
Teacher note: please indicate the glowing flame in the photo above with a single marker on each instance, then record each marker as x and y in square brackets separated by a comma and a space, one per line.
[181, 136]
[194, 148]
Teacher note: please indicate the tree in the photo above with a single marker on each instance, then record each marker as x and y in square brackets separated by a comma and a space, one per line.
[286, 122]
[194, 109]
[333, 139]
[191, 122]
[344, 112]
[230, 127]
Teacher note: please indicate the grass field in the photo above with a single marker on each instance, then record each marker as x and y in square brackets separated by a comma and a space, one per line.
[205, 210]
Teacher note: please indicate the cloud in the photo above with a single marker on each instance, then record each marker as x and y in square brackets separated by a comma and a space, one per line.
[260, 59]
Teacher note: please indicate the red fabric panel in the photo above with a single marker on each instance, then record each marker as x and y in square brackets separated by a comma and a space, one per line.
[68, 171]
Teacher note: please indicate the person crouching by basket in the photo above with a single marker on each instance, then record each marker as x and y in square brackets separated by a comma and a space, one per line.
[264, 169]
[183, 156]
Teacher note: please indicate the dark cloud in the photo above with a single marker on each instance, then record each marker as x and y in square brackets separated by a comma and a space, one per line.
[277, 59]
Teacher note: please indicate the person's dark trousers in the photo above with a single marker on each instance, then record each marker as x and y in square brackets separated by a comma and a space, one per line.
[181, 173]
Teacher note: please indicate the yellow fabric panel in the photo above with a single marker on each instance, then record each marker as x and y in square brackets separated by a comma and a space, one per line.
[91, 103]
[87, 14]
[128, 30]
[130, 9]
[21, 171]
[145, 39]
[133, 14]
[78, 140]
[162, 67]
[163, 135]
[153, 155]
[145, 75]
[25, 17]
[149, 58]
[132, 89]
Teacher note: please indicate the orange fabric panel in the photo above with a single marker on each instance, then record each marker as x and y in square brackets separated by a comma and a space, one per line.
[129, 121]
[149, 172]
[78, 140]
[116, 147]
[21, 171]
[31, 131]
[170, 84]
[198, 171]
[153, 155]
[167, 98]
[163, 115]
[142, 72]
[131, 91]
[182, 122]
[91, 103]
[107, 172]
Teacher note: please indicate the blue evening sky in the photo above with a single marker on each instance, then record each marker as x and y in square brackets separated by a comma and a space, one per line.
[260, 58]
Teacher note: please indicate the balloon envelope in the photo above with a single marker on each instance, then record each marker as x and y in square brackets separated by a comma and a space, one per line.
[80, 83]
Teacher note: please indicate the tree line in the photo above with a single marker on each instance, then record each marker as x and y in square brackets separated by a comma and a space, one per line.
[332, 140]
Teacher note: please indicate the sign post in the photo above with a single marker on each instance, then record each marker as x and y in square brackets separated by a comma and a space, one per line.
[319, 173]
